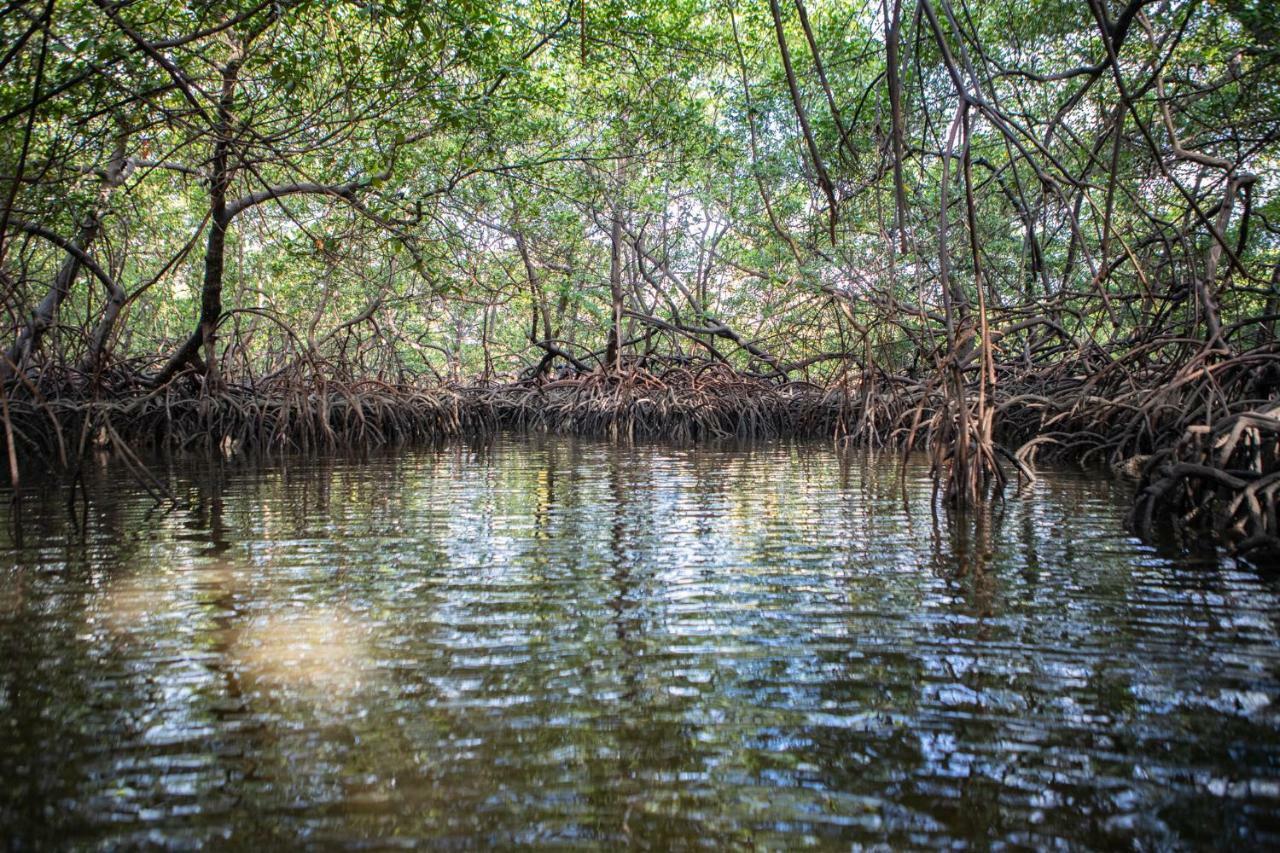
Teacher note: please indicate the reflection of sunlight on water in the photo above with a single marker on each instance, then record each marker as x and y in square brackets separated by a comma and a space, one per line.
[127, 604]
[606, 647]
[321, 654]
[12, 595]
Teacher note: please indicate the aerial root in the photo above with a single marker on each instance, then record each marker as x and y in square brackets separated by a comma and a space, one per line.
[1222, 480]
[1199, 432]
[681, 404]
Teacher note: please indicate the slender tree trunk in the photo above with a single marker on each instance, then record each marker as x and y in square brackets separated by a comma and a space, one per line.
[1267, 329]
[824, 179]
[46, 312]
[1206, 287]
[459, 336]
[221, 171]
[893, 25]
[93, 359]
[613, 351]
[219, 221]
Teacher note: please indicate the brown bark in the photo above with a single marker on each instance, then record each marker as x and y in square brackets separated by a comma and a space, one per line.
[824, 179]
[45, 313]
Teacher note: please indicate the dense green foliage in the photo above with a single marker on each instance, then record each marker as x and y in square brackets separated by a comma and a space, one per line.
[460, 189]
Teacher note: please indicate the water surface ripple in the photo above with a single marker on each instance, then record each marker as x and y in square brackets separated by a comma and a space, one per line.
[561, 642]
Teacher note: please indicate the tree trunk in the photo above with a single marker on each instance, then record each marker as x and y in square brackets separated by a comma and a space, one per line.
[216, 249]
[46, 312]
[897, 130]
[613, 351]
[221, 172]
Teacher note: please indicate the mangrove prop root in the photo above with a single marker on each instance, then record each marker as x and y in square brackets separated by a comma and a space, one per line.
[1222, 479]
[1199, 431]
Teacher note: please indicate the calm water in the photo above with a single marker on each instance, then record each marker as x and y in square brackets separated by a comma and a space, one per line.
[568, 643]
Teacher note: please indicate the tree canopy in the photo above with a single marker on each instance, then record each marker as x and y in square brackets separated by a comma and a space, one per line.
[972, 199]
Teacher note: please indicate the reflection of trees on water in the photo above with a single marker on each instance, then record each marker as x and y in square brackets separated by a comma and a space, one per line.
[606, 642]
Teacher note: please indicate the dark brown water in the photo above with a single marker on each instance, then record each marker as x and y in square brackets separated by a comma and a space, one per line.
[569, 643]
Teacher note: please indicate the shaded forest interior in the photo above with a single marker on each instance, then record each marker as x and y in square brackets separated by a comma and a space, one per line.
[1003, 233]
